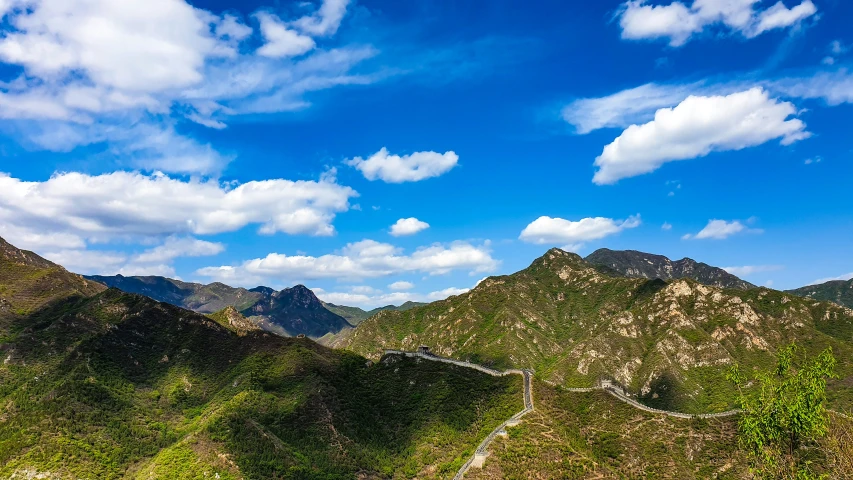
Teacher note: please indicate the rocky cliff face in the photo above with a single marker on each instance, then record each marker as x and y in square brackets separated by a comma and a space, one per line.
[295, 311]
[671, 343]
[634, 264]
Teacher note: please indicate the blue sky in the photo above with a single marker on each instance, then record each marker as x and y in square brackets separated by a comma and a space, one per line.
[281, 142]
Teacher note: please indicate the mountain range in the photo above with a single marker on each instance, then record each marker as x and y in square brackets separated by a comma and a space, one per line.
[289, 312]
[101, 383]
[634, 264]
[669, 342]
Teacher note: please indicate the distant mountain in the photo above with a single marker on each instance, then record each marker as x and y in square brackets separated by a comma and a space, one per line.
[355, 315]
[634, 264]
[290, 312]
[192, 296]
[295, 311]
[29, 282]
[838, 291]
[669, 342]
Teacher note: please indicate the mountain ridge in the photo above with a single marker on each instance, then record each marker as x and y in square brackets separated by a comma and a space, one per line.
[670, 343]
[636, 264]
[837, 291]
[264, 306]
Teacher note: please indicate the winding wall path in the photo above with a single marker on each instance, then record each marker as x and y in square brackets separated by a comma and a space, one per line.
[483, 449]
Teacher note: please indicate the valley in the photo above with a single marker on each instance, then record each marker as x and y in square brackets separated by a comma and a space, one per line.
[97, 382]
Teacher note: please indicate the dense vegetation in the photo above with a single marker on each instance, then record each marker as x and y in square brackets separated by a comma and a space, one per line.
[838, 291]
[115, 385]
[784, 416]
[671, 343]
[119, 385]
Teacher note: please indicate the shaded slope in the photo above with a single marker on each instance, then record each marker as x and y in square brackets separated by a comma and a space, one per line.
[294, 311]
[838, 291]
[634, 264]
[121, 386]
[669, 343]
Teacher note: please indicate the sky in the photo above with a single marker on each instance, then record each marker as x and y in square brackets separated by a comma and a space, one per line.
[380, 151]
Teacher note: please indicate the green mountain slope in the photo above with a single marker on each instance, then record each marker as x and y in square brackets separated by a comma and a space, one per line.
[634, 264]
[120, 386]
[355, 315]
[838, 291]
[669, 343]
[28, 282]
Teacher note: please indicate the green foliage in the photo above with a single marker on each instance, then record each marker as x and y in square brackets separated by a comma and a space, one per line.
[784, 413]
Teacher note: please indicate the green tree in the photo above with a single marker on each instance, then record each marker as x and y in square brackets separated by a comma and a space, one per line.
[784, 414]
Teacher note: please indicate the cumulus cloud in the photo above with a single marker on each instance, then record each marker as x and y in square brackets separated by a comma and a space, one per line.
[557, 231]
[679, 23]
[401, 285]
[153, 261]
[695, 128]
[326, 20]
[280, 40]
[408, 168]
[364, 259]
[666, 226]
[746, 270]
[720, 230]
[408, 226]
[70, 208]
[91, 70]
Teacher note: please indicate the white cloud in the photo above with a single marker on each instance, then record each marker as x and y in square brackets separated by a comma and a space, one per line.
[679, 23]
[94, 70]
[697, 127]
[408, 168]
[844, 277]
[623, 108]
[666, 226]
[364, 289]
[326, 20]
[720, 230]
[401, 285]
[547, 230]
[447, 292]
[280, 40]
[746, 270]
[134, 45]
[408, 226]
[73, 206]
[175, 247]
[364, 259]
[368, 301]
[810, 161]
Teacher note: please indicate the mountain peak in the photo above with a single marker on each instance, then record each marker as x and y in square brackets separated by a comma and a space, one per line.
[636, 264]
